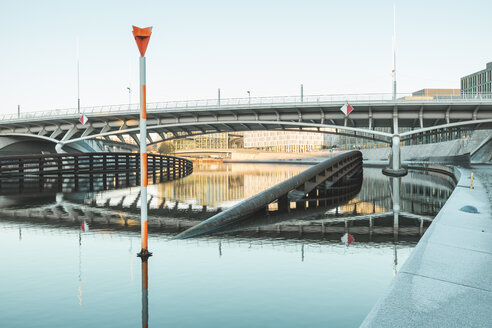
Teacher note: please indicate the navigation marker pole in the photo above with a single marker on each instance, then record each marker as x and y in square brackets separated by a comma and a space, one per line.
[142, 36]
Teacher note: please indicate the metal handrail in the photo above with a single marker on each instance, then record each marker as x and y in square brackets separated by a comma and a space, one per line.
[90, 164]
[211, 104]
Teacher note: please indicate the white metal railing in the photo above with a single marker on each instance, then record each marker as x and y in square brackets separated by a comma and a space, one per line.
[211, 104]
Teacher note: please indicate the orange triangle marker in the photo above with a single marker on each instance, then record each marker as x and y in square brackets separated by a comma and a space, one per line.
[142, 36]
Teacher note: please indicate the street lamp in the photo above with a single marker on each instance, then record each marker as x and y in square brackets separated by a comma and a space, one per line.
[129, 96]
[249, 97]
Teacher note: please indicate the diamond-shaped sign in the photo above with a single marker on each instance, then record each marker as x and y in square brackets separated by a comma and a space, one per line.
[346, 109]
[84, 227]
[83, 119]
[347, 239]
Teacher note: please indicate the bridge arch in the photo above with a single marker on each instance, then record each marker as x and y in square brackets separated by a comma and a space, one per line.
[482, 124]
[22, 143]
[245, 126]
[19, 143]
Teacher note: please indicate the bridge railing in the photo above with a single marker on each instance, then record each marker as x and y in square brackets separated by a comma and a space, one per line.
[252, 102]
[83, 165]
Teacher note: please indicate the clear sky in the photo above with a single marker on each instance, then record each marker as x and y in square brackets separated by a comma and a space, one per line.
[268, 47]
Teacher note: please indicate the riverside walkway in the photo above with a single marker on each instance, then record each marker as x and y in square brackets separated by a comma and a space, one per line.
[446, 281]
[484, 174]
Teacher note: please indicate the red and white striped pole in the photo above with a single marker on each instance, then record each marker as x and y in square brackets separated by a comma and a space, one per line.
[142, 36]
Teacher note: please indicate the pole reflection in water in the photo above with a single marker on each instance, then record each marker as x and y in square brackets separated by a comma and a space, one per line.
[79, 288]
[395, 183]
[145, 293]
[395, 260]
[130, 251]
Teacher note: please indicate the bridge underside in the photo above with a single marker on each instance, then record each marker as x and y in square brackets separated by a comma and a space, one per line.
[29, 145]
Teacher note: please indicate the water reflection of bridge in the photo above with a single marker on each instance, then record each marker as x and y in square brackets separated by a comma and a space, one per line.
[214, 185]
[421, 192]
[367, 215]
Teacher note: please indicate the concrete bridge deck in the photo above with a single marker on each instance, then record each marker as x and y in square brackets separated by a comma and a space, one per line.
[311, 113]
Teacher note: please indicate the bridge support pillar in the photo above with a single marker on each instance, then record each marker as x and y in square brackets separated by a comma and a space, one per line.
[313, 195]
[301, 205]
[59, 149]
[395, 169]
[284, 204]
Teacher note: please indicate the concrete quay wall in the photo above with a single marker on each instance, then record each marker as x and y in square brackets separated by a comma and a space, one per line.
[447, 280]
[445, 148]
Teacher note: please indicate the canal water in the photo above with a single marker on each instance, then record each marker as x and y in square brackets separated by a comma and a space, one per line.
[69, 258]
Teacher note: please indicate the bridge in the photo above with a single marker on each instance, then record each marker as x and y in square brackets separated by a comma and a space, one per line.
[408, 118]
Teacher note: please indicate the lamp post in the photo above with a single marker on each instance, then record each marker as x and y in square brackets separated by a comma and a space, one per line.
[129, 96]
[142, 36]
[78, 79]
[249, 97]
[394, 55]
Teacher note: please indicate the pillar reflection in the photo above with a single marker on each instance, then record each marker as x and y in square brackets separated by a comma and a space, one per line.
[145, 293]
[395, 260]
[79, 288]
[395, 184]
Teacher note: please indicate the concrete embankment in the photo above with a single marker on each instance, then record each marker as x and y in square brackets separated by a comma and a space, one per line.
[447, 280]
[440, 149]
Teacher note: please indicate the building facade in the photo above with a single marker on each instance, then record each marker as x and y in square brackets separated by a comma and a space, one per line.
[479, 82]
[286, 141]
[433, 93]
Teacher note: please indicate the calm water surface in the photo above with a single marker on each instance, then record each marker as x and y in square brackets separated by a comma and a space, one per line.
[284, 275]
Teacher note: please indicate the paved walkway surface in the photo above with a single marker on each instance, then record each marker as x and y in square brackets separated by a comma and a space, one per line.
[484, 174]
[447, 280]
